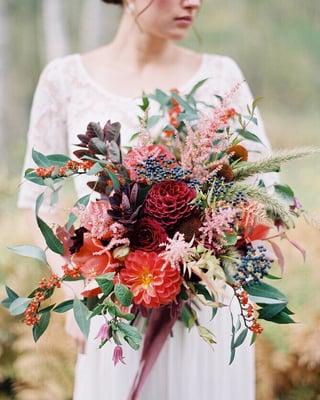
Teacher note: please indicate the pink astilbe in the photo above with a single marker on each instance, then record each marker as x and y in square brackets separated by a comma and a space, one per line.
[207, 139]
[177, 251]
[95, 218]
[216, 223]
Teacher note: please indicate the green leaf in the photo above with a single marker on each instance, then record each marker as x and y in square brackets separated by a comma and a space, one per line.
[282, 318]
[214, 312]
[153, 120]
[114, 179]
[145, 103]
[285, 192]
[269, 311]
[46, 309]
[161, 97]
[255, 102]
[41, 326]
[30, 251]
[40, 159]
[64, 306]
[10, 299]
[249, 136]
[131, 335]
[33, 177]
[81, 314]
[54, 198]
[206, 335]
[188, 316]
[123, 294]
[241, 338]
[273, 277]
[196, 87]
[58, 159]
[232, 355]
[97, 310]
[253, 338]
[266, 300]
[134, 136]
[184, 104]
[261, 289]
[106, 285]
[52, 241]
[95, 169]
[231, 239]
[19, 305]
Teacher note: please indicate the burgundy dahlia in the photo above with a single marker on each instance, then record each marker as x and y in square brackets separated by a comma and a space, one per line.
[148, 234]
[168, 202]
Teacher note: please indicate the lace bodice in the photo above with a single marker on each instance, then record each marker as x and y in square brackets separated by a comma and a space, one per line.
[67, 98]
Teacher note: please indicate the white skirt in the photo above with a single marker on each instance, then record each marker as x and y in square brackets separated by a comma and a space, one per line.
[187, 367]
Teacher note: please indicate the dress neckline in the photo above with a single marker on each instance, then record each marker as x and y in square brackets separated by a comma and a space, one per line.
[108, 93]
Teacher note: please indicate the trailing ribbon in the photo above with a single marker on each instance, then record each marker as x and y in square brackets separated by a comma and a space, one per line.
[160, 324]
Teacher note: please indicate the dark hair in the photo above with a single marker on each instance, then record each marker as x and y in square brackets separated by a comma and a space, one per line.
[119, 2]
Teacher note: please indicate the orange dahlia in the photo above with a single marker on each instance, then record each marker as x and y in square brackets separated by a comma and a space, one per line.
[151, 279]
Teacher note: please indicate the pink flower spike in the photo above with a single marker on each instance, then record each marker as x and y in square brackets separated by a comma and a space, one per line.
[118, 355]
[103, 333]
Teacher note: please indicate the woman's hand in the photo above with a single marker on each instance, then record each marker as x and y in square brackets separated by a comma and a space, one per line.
[74, 331]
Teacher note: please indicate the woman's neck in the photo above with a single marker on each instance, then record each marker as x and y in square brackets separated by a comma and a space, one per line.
[133, 45]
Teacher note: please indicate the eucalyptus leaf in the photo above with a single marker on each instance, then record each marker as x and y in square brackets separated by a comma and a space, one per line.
[249, 136]
[40, 159]
[19, 305]
[30, 251]
[241, 338]
[64, 306]
[81, 314]
[41, 326]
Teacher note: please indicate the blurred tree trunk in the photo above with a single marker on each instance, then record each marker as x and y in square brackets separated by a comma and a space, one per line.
[4, 55]
[98, 24]
[54, 25]
[90, 25]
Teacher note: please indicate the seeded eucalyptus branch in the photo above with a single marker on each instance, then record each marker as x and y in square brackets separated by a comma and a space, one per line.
[272, 162]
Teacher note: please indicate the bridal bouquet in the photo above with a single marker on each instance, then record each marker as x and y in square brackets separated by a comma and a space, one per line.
[176, 224]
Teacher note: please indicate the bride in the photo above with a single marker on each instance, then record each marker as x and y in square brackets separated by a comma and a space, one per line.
[106, 84]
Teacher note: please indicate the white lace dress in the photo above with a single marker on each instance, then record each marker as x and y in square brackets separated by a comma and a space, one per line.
[66, 99]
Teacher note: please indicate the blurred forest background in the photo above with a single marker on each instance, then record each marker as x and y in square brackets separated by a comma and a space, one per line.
[277, 44]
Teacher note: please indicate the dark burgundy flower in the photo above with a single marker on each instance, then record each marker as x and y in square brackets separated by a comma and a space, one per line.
[168, 202]
[148, 234]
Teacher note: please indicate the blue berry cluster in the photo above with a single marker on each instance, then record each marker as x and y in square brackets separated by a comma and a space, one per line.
[238, 198]
[254, 265]
[220, 187]
[156, 169]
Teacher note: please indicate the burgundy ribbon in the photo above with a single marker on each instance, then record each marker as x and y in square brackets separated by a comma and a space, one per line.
[160, 324]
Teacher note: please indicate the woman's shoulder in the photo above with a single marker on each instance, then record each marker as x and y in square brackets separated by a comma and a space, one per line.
[223, 65]
[59, 66]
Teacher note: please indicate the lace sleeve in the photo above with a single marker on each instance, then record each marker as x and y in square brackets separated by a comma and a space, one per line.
[241, 99]
[47, 131]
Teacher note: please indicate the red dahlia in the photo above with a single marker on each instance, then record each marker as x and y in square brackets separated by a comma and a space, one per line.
[151, 279]
[148, 234]
[168, 202]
